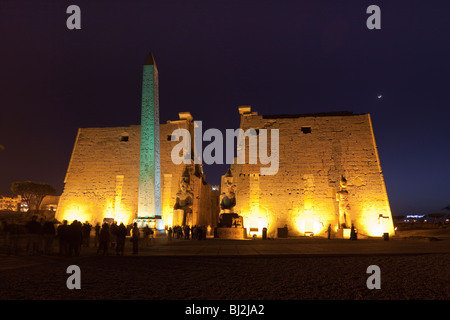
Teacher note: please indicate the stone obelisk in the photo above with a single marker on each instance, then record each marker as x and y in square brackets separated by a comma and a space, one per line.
[149, 204]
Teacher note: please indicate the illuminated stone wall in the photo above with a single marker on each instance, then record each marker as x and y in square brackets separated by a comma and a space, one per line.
[314, 151]
[103, 167]
[102, 179]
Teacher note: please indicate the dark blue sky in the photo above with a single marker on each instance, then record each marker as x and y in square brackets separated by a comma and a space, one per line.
[280, 57]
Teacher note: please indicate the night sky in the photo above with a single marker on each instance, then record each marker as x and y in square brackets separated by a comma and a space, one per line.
[280, 57]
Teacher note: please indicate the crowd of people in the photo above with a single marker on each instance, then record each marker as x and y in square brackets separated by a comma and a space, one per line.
[45, 237]
[186, 232]
[35, 237]
[41, 237]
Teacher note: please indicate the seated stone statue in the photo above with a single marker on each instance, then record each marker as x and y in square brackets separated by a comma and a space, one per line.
[184, 194]
[184, 199]
[227, 198]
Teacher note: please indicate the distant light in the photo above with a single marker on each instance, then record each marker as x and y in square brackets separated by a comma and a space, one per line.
[380, 96]
[415, 216]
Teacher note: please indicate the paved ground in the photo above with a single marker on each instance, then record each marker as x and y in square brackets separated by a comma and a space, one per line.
[303, 268]
[293, 246]
[299, 246]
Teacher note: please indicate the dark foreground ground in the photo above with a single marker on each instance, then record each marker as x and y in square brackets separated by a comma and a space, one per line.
[423, 276]
[239, 270]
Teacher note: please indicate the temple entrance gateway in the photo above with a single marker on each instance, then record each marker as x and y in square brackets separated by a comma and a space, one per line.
[282, 174]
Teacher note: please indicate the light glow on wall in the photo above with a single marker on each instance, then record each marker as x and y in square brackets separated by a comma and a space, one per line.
[256, 218]
[122, 216]
[255, 225]
[75, 212]
[167, 216]
[307, 222]
[374, 223]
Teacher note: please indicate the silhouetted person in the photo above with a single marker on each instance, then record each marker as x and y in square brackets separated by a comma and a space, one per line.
[205, 232]
[40, 246]
[129, 228]
[62, 232]
[146, 232]
[353, 233]
[135, 238]
[49, 233]
[186, 232]
[121, 233]
[5, 232]
[104, 238]
[86, 233]
[34, 231]
[14, 238]
[329, 231]
[113, 231]
[75, 238]
[97, 233]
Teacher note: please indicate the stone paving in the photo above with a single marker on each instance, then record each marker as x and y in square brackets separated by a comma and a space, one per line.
[213, 269]
[300, 246]
[308, 246]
